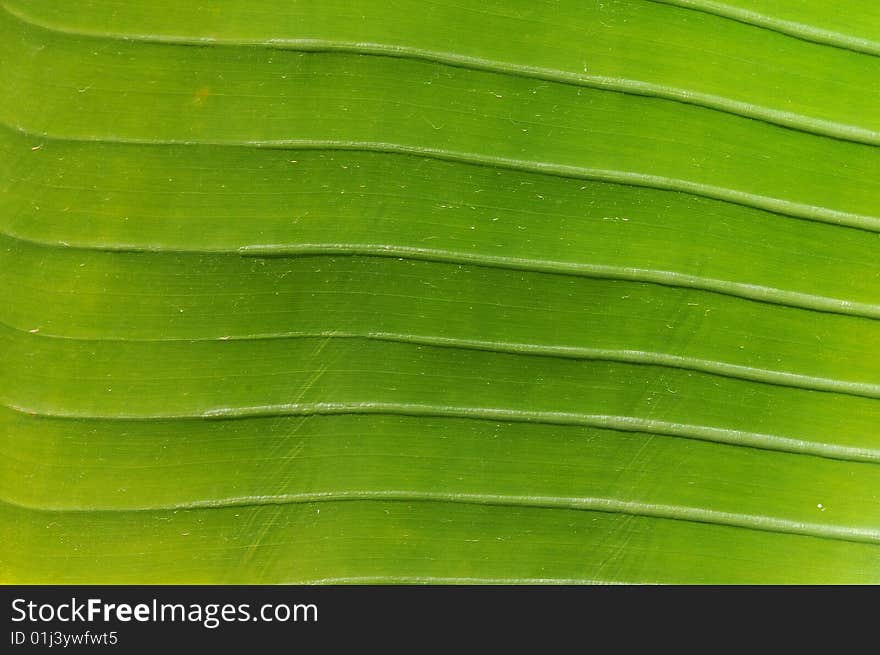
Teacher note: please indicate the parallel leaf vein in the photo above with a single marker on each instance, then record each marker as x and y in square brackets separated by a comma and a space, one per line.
[790, 208]
[585, 503]
[653, 358]
[803, 31]
[612, 422]
[788, 119]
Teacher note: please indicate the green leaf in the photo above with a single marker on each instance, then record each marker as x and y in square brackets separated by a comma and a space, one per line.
[405, 292]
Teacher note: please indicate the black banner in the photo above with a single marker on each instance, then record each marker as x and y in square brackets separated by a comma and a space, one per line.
[148, 618]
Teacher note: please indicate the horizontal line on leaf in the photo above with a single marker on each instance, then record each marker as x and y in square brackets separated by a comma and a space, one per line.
[627, 356]
[801, 31]
[433, 579]
[586, 503]
[620, 423]
[674, 279]
[787, 119]
[766, 203]
[759, 293]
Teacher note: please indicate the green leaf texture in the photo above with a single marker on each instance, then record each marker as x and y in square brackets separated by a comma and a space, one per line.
[509, 291]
